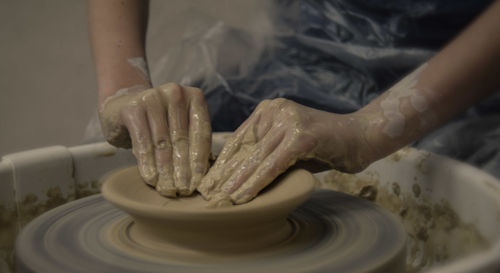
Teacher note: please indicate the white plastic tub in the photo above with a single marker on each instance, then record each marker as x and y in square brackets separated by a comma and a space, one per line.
[451, 210]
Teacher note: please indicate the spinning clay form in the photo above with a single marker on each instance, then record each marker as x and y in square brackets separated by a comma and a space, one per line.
[287, 227]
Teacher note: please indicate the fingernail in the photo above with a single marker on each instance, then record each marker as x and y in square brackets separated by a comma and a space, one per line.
[166, 188]
[149, 174]
[195, 181]
[182, 185]
[220, 200]
[206, 185]
[242, 198]
[185, 191]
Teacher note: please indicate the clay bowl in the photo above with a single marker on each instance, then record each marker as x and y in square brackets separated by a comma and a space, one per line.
[187, 222]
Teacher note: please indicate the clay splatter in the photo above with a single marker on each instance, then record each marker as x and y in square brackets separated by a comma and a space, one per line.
[30, 207]
[85, 189]
[436, 233]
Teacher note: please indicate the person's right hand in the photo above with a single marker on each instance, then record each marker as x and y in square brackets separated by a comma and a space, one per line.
[278, 134]
[169, 130]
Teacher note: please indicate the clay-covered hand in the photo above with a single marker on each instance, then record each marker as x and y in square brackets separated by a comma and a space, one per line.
[169, 130]
[277, 135]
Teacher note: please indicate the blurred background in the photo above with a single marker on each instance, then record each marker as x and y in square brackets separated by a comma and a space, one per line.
[243, 51]
[47, 80]
[48, 86]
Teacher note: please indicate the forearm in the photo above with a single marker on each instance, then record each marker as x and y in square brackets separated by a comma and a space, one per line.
[117, 33]
[461, 74]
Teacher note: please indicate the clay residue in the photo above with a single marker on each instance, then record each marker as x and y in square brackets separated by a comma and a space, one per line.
[406, 88]
[85, 189]
[436, 234]
[416, 190]
[140, 64]
[30, 207]
[397, 156]
[423, 163]
[12, 219]
[8, 232]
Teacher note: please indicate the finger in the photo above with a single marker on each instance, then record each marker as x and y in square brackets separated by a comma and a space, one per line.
[243, 138]
[134, 118]
[234, 143]
[276, 163]
[216, 176]
[200, 136]
[157, 121]
[222, 195]
[253, 159]
[237, 170]
[247, 133]
[232, 155]
[225, 163]
[178, 126]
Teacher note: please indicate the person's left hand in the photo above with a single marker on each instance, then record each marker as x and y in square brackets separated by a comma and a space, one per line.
[276, 135]
[169, 130]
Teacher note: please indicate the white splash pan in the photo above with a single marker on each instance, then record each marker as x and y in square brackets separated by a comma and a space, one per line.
[473, 194]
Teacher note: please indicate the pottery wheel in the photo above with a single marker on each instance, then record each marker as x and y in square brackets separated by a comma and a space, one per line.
[331, 232]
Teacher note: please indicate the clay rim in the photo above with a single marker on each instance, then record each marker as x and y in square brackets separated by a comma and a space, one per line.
[299, 183]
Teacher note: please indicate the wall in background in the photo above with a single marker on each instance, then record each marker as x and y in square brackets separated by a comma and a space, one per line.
[47, 82]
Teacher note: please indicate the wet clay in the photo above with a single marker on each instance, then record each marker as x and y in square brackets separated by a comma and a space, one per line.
[171, 158]
[278, 134]
[261, 232]
[330, 232]
[190, 223]
[390, 105]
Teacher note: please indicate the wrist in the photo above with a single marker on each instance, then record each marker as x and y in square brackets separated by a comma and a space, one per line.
[120, 74]
[111, 112]
[111, 96]
[367, 145]
[344, 144]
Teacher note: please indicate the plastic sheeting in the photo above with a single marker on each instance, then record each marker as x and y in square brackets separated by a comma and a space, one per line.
[335, 56]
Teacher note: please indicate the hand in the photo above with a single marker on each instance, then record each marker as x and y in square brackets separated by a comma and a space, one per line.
[169, 130]
[276, 135]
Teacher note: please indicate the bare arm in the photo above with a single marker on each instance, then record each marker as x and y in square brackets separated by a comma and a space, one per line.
[460, 75]
[280, 132]
[168, 126]
[117, 31]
